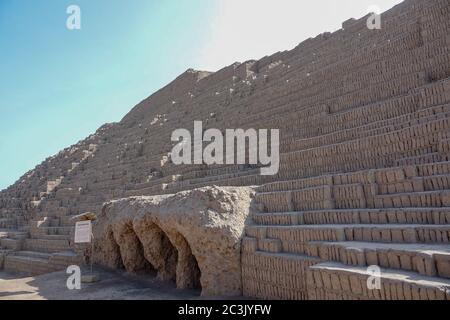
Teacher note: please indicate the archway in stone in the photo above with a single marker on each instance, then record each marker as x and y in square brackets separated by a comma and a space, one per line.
[108, 251]
[131, 249]
[188, 274]
[157, 248]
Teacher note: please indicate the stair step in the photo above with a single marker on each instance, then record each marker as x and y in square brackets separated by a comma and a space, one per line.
[28, 265]
[270, 245]
[30, 259]
[437, 182]
[357, 216]
[13, 234]
[35, 263]
[52, 237]
[321, 198]
[426, 259]
[414, 199]
[58, 230]
[18, 235]
[32, 254]
[65, 258]
[276, 275]
[46, 245]
[11, 244]
[54, 215]
[432, 169]
[331, 281]
[315, 198]
[296, 184]
[421, 159]
[385, 233]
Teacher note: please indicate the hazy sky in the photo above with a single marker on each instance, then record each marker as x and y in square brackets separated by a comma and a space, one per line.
[58, 86]
[241, 30]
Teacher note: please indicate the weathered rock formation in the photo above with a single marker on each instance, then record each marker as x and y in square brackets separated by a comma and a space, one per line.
[193, 237]
[364, 119]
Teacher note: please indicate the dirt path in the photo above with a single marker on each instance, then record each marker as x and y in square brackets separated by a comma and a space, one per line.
[113, 286]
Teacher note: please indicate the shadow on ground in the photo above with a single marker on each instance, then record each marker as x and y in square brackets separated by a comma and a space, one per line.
[112, 286]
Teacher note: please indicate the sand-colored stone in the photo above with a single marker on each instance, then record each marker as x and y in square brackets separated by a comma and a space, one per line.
[192, 237]
[364, 119]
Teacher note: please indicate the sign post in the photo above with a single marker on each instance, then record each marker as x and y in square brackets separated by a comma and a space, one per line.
[84, 234]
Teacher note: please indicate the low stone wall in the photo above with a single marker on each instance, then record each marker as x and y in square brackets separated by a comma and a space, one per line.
[193, 237]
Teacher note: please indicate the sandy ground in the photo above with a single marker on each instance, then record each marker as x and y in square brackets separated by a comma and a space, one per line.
[112, 286]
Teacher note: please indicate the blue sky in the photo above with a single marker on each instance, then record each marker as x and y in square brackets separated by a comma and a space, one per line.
[58, 86]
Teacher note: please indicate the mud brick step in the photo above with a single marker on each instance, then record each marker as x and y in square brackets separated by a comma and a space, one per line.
[437, 182]
[12, 234]
[278, 218]
[249, 244]
[426, 259]
[296, 184]
[11, 244]
[357, 216]
[18, 235]
[210, 178]
[297, 233]
[376, 151]
[275, 275]
[385, 233]
[65, 258]
[415, 184]
[331, 281]
[54, 215]
[52, 237]
[57, 230]
[34, 263]
[399, 233]
[439, 168]
[305, 199]
[46, 245]
[270, 245]
[28, 265]
[33, 254]
[244, 180]
[413, 199]
[421, 159]
[370, 129]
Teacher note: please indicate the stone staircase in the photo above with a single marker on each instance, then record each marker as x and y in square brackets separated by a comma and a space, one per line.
[36, 263]
[45, 242]
[364, 117]
[332, 228]
[46, 247]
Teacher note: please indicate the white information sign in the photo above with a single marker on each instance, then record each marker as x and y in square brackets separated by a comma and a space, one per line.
[83, 232]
